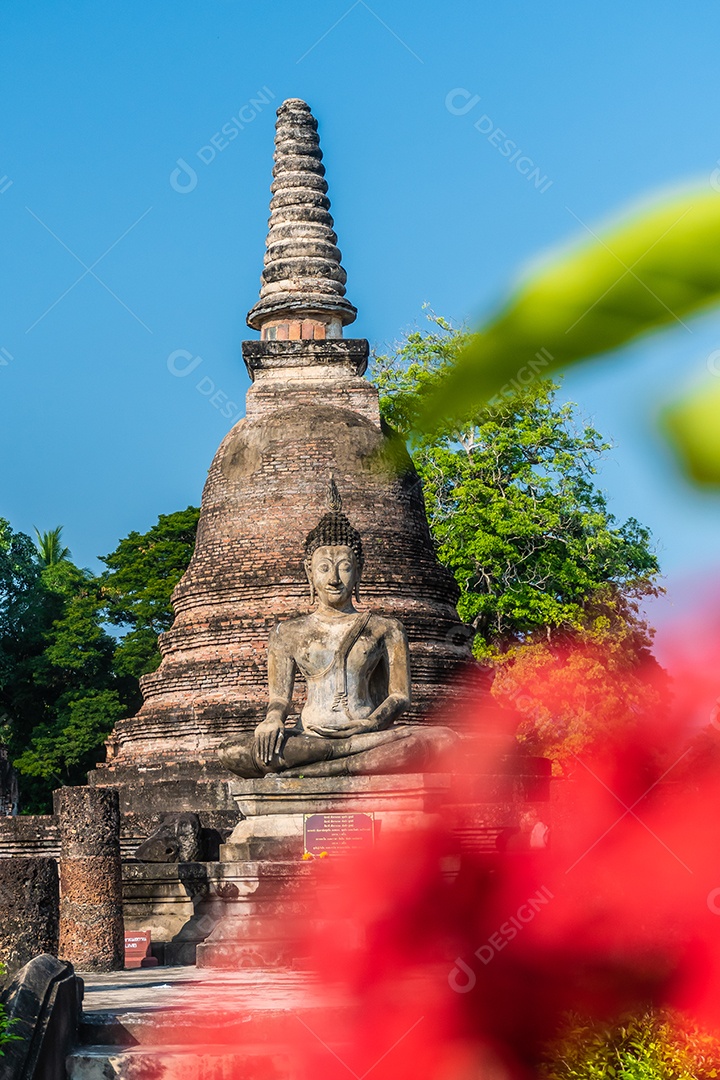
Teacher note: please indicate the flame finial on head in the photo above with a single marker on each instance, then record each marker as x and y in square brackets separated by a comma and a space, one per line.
[334, 529]
[334, 499]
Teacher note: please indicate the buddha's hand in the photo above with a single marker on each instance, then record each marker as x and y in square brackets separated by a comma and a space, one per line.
[377, 720]
[355, 725]
[269, 738]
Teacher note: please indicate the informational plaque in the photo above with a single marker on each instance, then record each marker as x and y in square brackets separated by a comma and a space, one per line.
[137, 949]
[338, 834]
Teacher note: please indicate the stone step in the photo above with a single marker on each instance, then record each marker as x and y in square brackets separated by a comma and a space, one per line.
[223, 1027]
[262, 848]
[236, 955]
[171, 1062]
[185, 1024]
[28, 836]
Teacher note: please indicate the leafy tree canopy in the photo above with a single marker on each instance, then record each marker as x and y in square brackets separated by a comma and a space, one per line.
[50, 547]
[64, 680]
[573, 303]
[514, 510]
[20, 589]
[54, 654]
[137, 587]
[540, 560]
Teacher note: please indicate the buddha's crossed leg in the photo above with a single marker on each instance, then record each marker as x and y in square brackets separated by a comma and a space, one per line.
[397, 749]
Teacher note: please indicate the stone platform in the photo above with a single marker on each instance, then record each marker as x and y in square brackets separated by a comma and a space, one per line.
[280, 1024]
[230, 907]
[266, 887]
[273, 809]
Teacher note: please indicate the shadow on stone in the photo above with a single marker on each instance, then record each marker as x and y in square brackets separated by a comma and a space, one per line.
[209, 908]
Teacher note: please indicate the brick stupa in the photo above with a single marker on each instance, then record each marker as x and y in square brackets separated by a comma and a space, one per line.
[310, 415]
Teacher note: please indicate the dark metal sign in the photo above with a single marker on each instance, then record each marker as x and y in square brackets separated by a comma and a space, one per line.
[338, 834]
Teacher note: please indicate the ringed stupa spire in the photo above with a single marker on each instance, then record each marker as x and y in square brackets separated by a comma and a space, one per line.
[303, 283]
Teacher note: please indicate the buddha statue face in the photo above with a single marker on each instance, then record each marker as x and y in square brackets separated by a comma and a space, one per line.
[334, 576]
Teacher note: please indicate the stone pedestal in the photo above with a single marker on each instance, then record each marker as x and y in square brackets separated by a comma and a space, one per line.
[267, 889]
[91, 922]
[274, 808]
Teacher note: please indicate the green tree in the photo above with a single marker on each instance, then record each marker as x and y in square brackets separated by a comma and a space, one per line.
[137, 587]
[50, 547]
[27, 611]
[540, 561]
[61, 677]
[63, 750]
[514, 510]
[64, 680]
[21, 617]
[83, 679]
[575, 303]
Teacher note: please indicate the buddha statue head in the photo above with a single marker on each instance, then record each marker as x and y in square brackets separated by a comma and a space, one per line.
[334, 557]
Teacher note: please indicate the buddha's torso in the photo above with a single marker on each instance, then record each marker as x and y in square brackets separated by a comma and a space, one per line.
[344, 662]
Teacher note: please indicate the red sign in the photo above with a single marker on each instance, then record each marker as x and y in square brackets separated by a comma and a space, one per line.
[137, 949]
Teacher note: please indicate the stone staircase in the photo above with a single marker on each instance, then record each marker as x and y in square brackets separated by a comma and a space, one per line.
[175, 1024]
[27, 836]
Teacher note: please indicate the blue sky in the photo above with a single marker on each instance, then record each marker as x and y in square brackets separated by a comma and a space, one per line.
[101, 102]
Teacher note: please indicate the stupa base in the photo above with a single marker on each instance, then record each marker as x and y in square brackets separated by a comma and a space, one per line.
[271, 870]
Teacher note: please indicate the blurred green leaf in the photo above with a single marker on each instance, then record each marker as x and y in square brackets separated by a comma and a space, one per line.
[646, 271]
[693, 426]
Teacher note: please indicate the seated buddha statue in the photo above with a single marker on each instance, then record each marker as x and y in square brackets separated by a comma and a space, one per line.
[356, 665]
